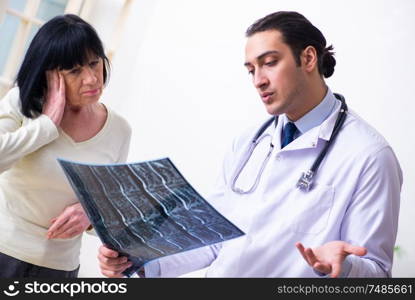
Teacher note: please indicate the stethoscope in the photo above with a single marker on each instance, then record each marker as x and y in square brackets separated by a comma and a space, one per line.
[306, 179]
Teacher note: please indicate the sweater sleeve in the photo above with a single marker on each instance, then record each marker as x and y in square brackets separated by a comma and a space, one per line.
[124, 149]
[19, 135]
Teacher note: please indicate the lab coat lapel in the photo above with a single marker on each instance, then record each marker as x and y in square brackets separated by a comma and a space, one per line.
[276, 140]
[311, 138]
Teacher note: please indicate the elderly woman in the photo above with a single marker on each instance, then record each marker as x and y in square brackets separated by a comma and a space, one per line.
[53, 112]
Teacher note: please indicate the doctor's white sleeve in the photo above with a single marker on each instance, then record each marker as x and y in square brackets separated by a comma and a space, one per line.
[181, 263]
[19, 135]
[371, 219]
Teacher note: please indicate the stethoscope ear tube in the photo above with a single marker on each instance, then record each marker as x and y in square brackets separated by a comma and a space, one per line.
[263, 128]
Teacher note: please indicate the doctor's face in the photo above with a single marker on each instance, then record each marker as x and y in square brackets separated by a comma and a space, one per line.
[275, 74]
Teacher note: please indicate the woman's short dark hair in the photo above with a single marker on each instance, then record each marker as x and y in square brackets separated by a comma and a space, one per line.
[298, 33]
[61, 43]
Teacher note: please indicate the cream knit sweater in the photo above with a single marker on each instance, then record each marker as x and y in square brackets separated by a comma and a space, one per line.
[33, 187]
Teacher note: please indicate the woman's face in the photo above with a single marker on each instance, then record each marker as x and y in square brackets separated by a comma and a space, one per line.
[84, 84]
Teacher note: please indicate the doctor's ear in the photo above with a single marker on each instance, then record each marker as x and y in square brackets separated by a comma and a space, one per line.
[309, 60]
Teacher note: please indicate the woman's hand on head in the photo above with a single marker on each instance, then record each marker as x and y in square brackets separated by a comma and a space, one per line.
[55, 99]
[71, 222]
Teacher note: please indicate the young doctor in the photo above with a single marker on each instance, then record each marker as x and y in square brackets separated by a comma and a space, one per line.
[344, 210]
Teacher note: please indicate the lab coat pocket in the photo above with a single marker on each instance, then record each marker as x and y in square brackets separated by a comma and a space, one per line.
[312, 209]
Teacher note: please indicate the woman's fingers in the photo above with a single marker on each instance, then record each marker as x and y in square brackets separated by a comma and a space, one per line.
[61, 85]
[55, 98]
[71, 222]
[57, 226]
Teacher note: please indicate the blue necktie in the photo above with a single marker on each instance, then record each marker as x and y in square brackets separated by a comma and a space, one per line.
[288, 134]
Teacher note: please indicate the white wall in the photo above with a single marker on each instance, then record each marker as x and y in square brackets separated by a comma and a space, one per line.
[179, 79]
[3, 5]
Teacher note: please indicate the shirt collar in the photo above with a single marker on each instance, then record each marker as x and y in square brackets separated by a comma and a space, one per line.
[316, 116]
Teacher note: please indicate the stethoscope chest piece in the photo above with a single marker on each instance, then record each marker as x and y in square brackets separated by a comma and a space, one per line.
[305, 181]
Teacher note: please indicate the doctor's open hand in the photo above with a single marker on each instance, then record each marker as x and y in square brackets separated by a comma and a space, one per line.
[71, 222]
[328, 259]
[55, 98]
[111, 263]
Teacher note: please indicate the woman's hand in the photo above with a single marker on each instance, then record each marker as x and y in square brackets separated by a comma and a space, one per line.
[55, 97]
[71, 222]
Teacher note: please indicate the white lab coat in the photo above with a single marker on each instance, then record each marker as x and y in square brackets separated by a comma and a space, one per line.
[355, 198]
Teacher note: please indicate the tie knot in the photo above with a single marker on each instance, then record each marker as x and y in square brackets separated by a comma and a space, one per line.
[288, 134]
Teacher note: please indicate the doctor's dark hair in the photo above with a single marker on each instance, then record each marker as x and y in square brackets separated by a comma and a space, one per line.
[61, 43]
[298, 33]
